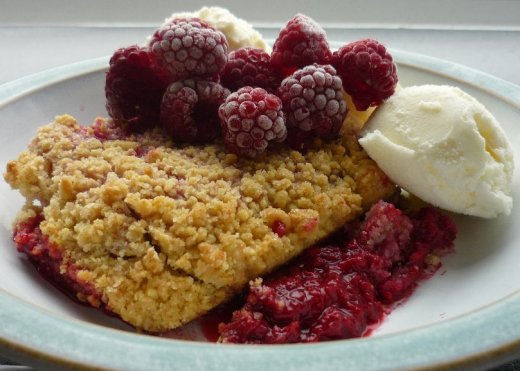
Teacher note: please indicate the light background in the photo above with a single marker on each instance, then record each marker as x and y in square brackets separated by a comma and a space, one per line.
[482, 34]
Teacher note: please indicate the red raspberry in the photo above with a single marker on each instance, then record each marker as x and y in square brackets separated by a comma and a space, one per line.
[250, 119]
[300, 43]
[134, 88]
[189, 110]
[189, 48]
[279, 228]
[313, 102]
[250, 67]
[368, 72]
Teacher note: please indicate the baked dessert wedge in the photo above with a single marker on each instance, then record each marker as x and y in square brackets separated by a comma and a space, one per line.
[158, 233]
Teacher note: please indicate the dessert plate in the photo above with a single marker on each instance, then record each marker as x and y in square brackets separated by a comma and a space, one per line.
[466, 316]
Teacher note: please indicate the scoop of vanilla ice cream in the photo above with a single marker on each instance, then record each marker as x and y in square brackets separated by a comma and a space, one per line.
[445, 147]
[239, 33]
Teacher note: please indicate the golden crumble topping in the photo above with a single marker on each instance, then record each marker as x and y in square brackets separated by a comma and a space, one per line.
[165, 233]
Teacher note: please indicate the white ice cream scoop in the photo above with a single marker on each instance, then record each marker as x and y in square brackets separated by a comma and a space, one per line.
[445, 147]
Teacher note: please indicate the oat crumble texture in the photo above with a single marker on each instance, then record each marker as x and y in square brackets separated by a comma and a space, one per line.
[165, 233]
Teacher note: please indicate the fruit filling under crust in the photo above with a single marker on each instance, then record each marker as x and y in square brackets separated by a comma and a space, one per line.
[343, 289]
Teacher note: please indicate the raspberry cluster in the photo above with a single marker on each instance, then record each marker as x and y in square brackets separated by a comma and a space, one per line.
[185, 81]
[171, 82]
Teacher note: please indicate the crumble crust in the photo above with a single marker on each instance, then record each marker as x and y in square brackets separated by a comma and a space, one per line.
[164, 233]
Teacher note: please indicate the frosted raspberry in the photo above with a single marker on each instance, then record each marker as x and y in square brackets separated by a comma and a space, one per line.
[300, 43]
[189, 110]
[250, 67]
[189, 47]
[313, 102]
[368, 72]
[134, 88]
[250, 119]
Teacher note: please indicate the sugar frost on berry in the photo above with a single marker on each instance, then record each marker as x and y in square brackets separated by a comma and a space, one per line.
[314, 104]
[250, 67]
[189, 48]
[300, 43]
[250, 119]
[368, 72]
[189, 110]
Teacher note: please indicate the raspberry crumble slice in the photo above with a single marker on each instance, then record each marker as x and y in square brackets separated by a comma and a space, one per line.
[161, 233]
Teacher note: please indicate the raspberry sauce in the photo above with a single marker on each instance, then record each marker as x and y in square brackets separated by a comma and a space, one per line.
[47, 259]
[344, 289]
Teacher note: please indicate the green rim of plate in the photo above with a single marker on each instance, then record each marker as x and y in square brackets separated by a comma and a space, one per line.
[483, 337]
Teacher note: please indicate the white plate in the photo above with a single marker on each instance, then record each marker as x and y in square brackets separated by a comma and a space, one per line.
[466, 315]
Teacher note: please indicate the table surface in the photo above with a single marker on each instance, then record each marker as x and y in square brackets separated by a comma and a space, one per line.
[27, 50]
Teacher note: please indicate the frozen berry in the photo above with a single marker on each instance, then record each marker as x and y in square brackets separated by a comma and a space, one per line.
[368, 72]
[250, 119]
[313, 102]
[250, 67]
[300, 43]
[189, 110]
[134, 88]
[189, 47]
